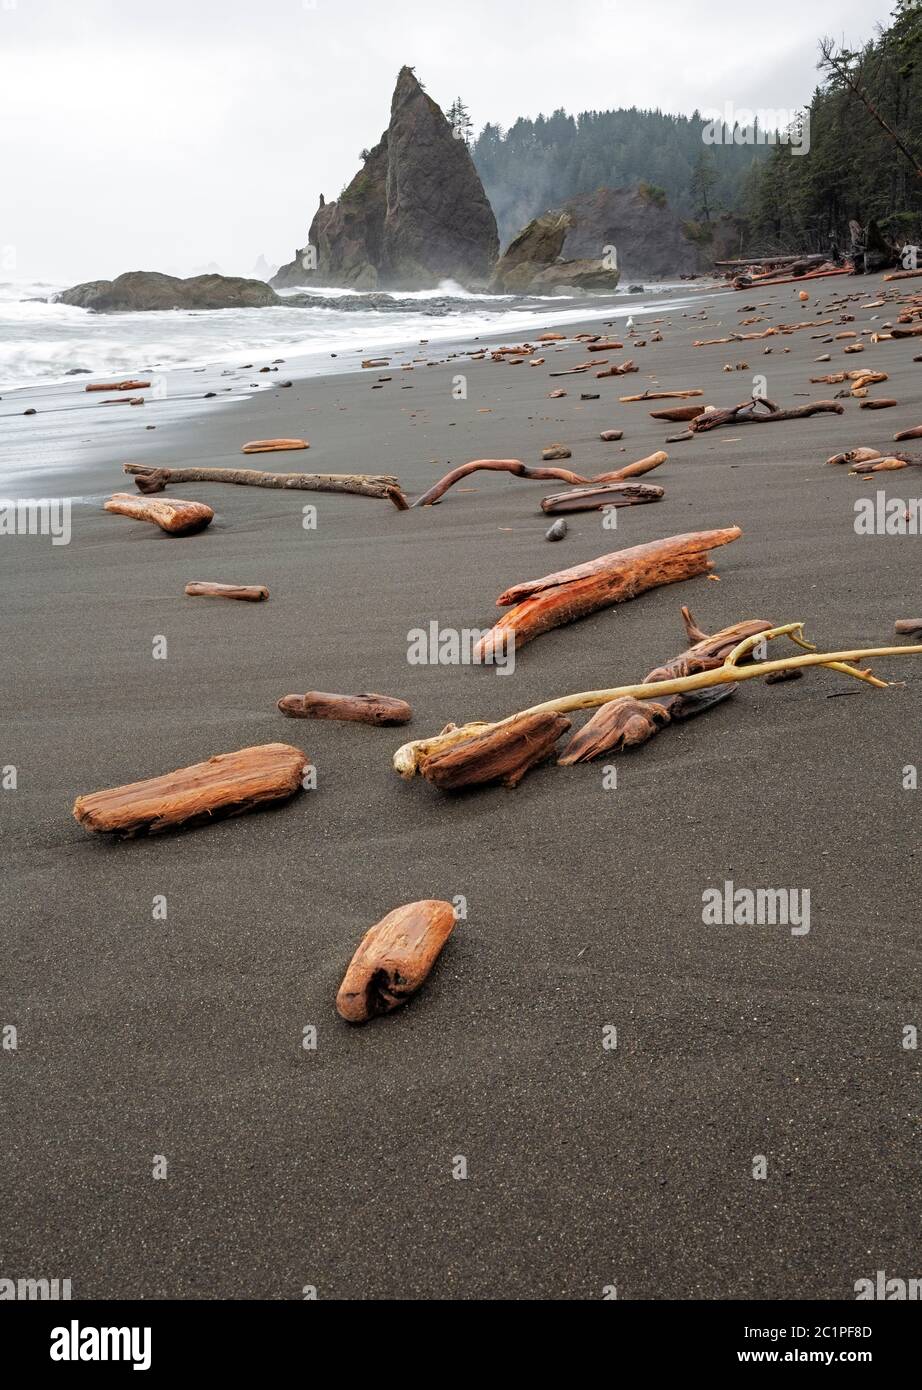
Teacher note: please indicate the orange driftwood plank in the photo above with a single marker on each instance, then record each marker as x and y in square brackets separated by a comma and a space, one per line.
[229, 784]
[118, 386]
[172, 515]
[394, 959]
[268, 446]
[541, 604]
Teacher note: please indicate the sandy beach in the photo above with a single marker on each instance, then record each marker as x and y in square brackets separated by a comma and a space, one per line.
[587, 1168]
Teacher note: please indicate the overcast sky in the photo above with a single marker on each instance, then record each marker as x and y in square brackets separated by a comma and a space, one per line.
[168, 134]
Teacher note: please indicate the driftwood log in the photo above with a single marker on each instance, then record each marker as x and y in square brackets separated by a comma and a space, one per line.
[759, 411]
[914, 433]
[383, 485]
[175, 517]
[227, 785]
[409, 758]
[394, 959]
[248, 593]
[499, 755]
[679, 412]
[540, 474]
[118, 386]
[360, 709]
[907, 626]
[538, 605]
[906, 332]
[592, 498]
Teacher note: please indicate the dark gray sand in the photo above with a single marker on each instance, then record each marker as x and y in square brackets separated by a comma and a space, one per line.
[586, 1168]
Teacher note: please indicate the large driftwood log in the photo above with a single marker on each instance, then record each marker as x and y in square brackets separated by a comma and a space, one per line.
[503, 755]
[227, 785]
[175, 517]
[394, 959]
[383, 485]
[759, 411]
[249, 593]
[592, 498]
[906, 332]
[538, 605]
[360, 709]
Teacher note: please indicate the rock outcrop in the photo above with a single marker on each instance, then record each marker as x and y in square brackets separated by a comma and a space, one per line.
[415, 214]
[140, 290]
[581, 243]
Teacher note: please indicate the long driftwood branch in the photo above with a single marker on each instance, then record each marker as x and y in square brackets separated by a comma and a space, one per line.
[594, 497]
[365, 484]
[409, 758]
[538, 605]
[518, 469]
[759, 411]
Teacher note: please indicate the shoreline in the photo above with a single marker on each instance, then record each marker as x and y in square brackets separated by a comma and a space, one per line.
[183, 1037]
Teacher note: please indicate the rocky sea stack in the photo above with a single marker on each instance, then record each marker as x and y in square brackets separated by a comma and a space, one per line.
[415, 214]
[572, 246]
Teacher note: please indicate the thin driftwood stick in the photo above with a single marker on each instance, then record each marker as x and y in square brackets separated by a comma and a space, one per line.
[592, 498]
[227, 785]
[172, 515]
[678, 412]
[117, 386]
[408, 758]
[249, 593]
[360, 709]
[538, 605]
[394, 959]
[383, 485]
[661, 396]
[634, 470]
[540, 474]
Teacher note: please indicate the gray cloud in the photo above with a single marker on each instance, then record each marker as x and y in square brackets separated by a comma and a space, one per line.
[171, 135]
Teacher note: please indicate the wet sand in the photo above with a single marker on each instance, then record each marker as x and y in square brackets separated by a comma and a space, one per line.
[586, 1168]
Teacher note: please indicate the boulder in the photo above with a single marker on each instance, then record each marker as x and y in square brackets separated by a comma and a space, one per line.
[145, 290]
[414, 215]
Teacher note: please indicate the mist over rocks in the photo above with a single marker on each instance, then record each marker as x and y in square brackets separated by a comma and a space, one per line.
[415, 214]
[567, 245]
[148, 290]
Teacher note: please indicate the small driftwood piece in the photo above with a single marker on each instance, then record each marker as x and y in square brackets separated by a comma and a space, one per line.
[538, 605]
[248, 593]
[907, 626]
[394, 959]
[498, 755]
[230, 784]
[383, 485]
[661, 396]
[592, 498]
[879, 403]
[914, 433]
[175, 517]
[759, 411]
[270, 446]
[620, 369]
[359, 709]
[906, 332]
[409, 758]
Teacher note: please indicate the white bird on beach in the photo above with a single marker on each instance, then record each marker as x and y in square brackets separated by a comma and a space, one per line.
[630, 324]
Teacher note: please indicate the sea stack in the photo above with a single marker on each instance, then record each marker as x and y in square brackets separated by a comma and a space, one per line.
[414, 215]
